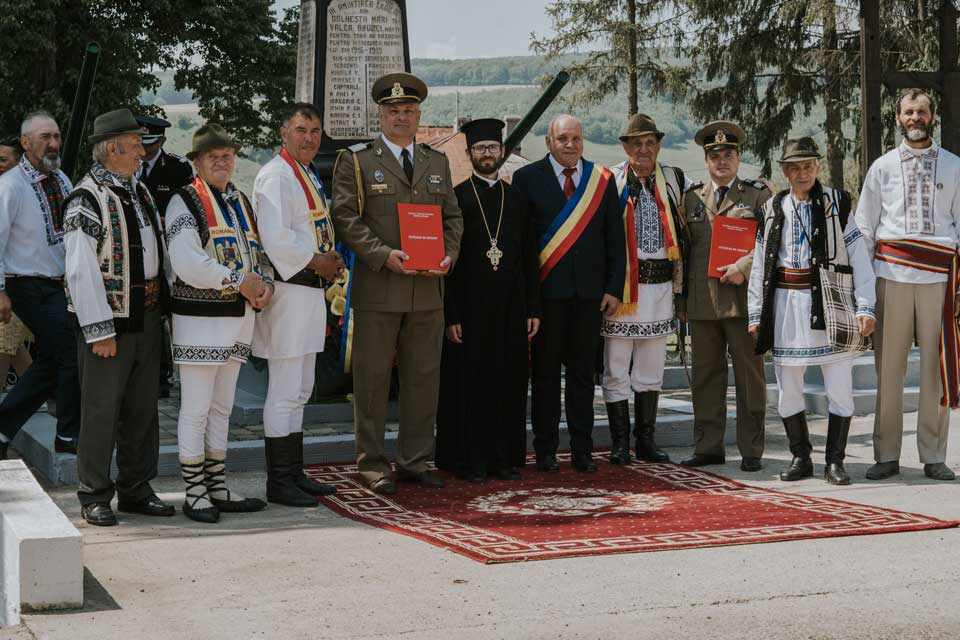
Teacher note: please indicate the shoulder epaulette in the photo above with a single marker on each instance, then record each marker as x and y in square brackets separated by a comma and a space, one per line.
[426, 147]
[360, 146]
[756, 184]
[179, 158]
[694, 185]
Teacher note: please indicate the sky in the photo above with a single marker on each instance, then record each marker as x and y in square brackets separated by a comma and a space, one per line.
[469, 28]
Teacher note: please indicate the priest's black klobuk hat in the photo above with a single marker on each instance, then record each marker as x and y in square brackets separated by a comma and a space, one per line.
[483, 129]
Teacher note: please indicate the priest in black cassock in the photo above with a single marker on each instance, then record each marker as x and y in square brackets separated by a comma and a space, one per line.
[492, 308]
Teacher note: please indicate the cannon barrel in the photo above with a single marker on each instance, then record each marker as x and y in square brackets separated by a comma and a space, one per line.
[539, 107]
[81, 103]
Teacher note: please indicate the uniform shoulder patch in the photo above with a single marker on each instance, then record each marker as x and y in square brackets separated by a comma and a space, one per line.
[756, 184]
[426, 147]
[177, 157]
[695, 185]
[360, 146]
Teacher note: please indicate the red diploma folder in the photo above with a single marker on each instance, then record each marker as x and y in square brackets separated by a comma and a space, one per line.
[732, 239]
[421, 236]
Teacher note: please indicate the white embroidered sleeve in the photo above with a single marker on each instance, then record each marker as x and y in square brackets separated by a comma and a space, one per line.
[82, 227]
[868, 210]
[275, 220]
[864, 281]
[755, 286]
[188, 259]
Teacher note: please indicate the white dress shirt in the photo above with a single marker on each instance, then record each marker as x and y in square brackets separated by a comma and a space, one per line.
[561, 178]
[396, 149]
[882, 210]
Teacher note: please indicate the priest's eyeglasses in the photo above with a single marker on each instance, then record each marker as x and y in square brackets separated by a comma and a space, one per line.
[486, 148]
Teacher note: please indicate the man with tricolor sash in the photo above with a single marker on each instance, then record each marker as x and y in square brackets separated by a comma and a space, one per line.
[220, 279]
[635, 336]
[909, 214]
[297, 234]
[578, 219]
[716, 307]
[395, 313]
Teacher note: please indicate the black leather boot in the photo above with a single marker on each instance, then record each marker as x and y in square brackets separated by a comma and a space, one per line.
[802, 466]
[619, 415]
[838, 428]
[645, 406]
[306, 484]
[281, 482]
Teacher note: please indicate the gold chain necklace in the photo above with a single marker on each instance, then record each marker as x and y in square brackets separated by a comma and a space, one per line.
[494, 254]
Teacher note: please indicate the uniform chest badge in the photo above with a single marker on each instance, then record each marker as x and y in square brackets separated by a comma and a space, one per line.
[434, 179]
[378, 175]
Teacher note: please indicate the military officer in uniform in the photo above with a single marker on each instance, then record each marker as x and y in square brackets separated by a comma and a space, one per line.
[164, 174]
[717, 307]
[394, 310]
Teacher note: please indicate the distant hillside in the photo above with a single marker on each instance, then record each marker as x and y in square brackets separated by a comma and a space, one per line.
[521, 70]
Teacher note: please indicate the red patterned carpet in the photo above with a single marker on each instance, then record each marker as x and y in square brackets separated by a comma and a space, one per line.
[644, 507]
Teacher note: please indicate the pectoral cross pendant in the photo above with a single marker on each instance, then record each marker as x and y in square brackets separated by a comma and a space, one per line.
[494, 254]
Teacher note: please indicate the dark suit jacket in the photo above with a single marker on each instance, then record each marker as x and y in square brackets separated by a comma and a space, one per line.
[170, 173]
[596, 263]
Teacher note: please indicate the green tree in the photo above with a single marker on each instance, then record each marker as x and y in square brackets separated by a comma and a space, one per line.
[619, 41]
[233, 55]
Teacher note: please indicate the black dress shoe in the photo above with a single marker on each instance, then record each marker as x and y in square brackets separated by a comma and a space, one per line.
[64, 446]
[883, 470]
[508, 473]
[384, 486]
[939, 471]
[750, 464]
[548, 463]
[584, 464]
[149, 506]
[426, 479]
[98, 514]
[702, 460]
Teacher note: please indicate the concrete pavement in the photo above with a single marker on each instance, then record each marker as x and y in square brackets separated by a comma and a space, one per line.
[289, 574]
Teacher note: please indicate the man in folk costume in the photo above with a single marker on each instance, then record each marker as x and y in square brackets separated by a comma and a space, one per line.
[297, 234]
[717, 307]
[395, 311]
[909, 213]
[216, 259]
[118, 291]
[492, 310]
[637, 332]
[807, 235]
[578, 221]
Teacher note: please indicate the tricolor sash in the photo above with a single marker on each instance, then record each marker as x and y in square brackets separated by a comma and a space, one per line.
[350, 259]
[568, 225]
[630, 282]
[319, 211]
[926, 256]
[223, 235]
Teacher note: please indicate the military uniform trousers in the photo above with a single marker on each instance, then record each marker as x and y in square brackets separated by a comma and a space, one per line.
[416, 338]
[905, 310]
[711, 340]
[119, 407]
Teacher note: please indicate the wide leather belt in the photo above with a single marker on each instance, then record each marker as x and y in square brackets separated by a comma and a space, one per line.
[306, 277]
[151, 293]
[794, 278]
[654, 271]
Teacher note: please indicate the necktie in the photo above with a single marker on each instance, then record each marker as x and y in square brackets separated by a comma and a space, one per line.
[407, 165]
[568, 186]
[721, 194]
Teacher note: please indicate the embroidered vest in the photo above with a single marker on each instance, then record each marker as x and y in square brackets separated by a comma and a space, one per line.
[830, 209]
[219, 239]
[120, 252]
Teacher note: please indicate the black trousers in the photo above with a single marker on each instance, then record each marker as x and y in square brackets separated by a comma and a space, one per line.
[120, 408]
[42, 305]
[568, 336]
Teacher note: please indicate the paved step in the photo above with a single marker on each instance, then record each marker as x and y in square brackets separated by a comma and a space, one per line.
[35, 444]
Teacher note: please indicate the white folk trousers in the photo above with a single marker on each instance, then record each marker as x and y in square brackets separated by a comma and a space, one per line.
[837, 380]
[620, 379]
[206, 401]
[290, 386]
